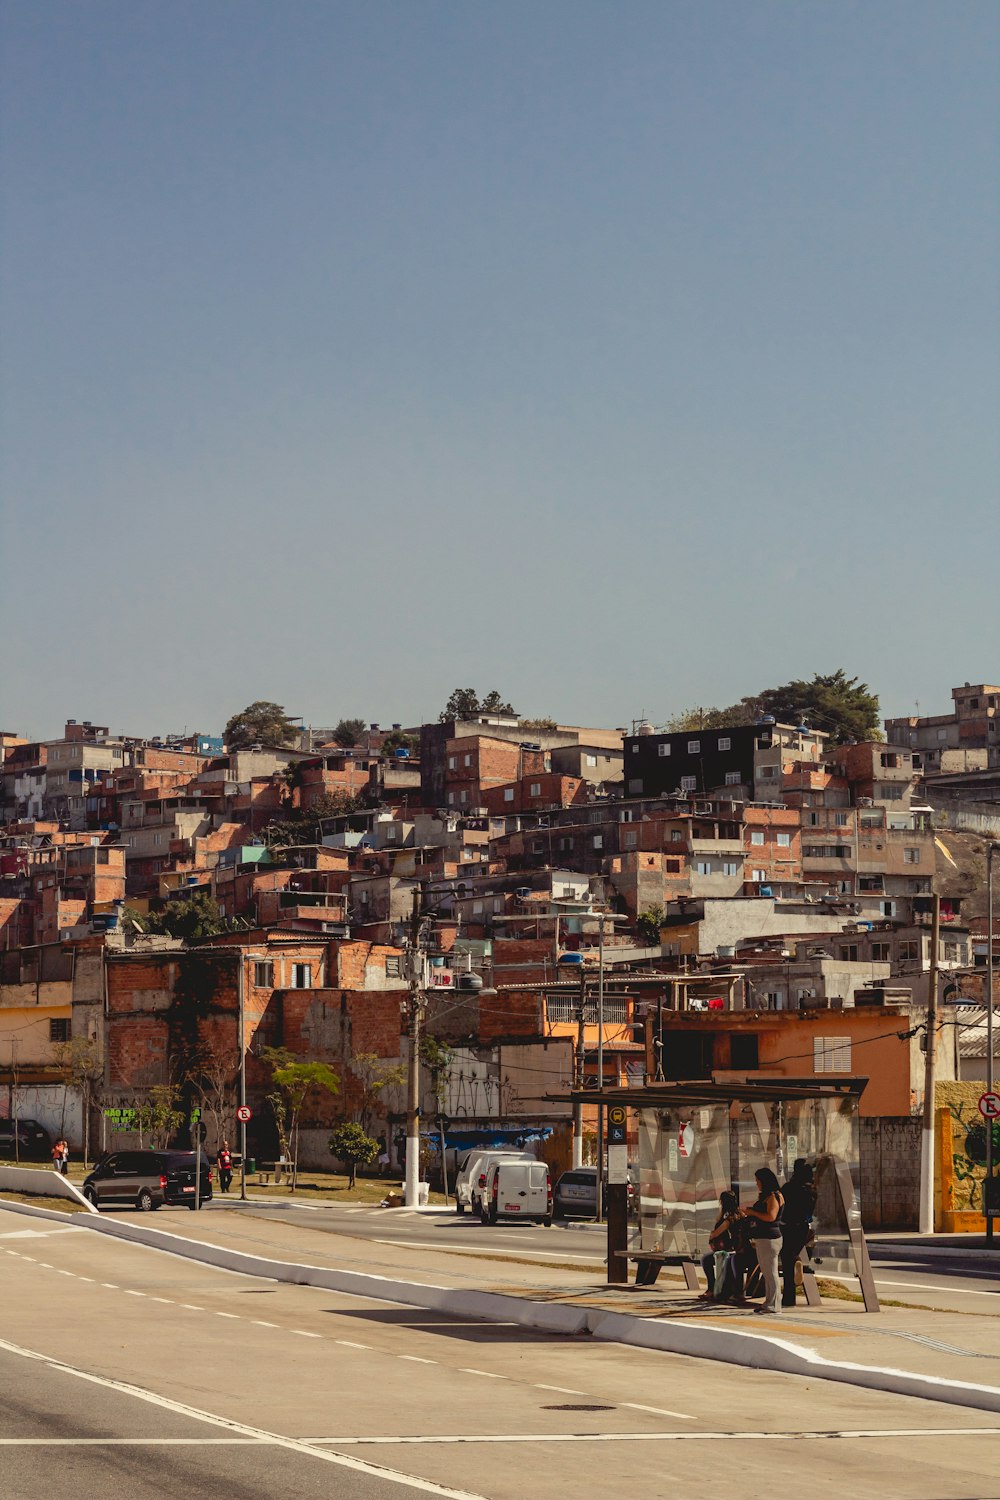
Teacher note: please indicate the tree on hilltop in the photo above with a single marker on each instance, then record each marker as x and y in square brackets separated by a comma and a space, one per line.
[260, 723]
[465, 703]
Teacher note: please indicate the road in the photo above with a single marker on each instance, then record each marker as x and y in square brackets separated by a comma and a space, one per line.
[130, 1373]
[904, 1271]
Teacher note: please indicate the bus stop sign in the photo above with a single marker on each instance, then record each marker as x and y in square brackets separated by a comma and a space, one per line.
[616, 1125]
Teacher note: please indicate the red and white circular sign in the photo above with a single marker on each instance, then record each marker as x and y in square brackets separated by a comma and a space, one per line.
[989, 1106]
[243, 1113]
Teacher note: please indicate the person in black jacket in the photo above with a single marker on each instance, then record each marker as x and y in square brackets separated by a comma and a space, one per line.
[800, 1205]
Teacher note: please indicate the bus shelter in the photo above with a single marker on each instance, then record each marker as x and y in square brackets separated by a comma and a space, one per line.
[697, 1139]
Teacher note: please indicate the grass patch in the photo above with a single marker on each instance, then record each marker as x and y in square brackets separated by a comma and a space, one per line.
[42, 1200]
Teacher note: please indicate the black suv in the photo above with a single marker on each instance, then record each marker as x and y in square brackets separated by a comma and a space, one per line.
[33, 1140]
[148, 1179]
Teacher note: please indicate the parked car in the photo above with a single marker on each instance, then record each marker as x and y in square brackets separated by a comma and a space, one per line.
[148, 1179]
[33, 1140]
[471, 1177]
[576, 1193]
[516, 1189]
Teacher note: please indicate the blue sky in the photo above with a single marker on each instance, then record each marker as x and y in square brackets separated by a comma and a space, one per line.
[618, 356]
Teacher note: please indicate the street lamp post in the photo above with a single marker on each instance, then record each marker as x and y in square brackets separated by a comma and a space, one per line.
[240, 985]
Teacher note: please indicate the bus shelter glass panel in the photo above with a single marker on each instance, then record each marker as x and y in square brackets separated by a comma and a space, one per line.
[684, 1165]
[825, 1133]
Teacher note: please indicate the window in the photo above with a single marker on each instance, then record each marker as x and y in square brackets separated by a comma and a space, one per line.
[672, 866]
[631, 838]
[452, 762]
[831, 1054]
[688, 783]
[703, 866]
[849, 953]
[535, 789]
[394, 966]
[598, 841]
[881, 953]
[663, 749]
[451, 799]
[840, 820]
[465, 795]
[694, 747]
[468, 760]
[590, 760]
[477, 908]
[59, 1030]
[732, 778]
[263, 974]
[888, 792]
[538, 846]
[508, 794]
[784, 840]
[757, 836]
[744, 1051]
[911, 856]
[725, 743]
[730, 867]
[301, 976]
[758, 875]
[909, 950]
[951, 953]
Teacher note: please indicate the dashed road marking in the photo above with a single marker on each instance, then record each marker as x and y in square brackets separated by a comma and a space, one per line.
[261, 1324]
[489, 1374]
[304, 1333]
[350, 1344]
[416, 1359]
[191, 1307]
[219, 1314]
[657, 1411]
[563, 1390]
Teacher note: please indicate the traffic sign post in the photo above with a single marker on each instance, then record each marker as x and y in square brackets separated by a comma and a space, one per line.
[989, 1106]
[617, 1204]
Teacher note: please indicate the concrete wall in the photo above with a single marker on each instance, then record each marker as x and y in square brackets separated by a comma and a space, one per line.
[890, 1171]
[53, 1105]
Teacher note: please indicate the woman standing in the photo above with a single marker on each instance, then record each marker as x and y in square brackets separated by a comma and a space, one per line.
[765, 1230]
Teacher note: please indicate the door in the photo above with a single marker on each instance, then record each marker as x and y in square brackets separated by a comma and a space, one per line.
[104, 1184]
[512, 1190]
[538, 1189]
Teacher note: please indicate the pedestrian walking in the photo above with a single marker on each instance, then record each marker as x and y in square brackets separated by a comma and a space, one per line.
[224, 1161]
[765, 1230]
[800, 1206]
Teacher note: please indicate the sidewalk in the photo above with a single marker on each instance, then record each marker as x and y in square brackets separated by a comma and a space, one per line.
[941, 1356]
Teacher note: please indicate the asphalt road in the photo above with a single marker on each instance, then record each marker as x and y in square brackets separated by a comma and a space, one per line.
[127, 1372]
[904, 1271]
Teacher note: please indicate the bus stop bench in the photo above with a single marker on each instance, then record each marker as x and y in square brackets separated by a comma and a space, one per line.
[650, 1262]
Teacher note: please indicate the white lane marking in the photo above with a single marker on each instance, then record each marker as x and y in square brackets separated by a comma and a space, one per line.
[242, 1429]
[37, 1234]
[110, 1442]
[658, 1411]
[112, 1286]
[304, 1333]
[84, 1278]
[31, 1258]
[131, 1292]
[190, 1307]
[488, 1374]
[225, 1315]
[44, 1265]
[416, 1359]
[652, 1437]
[349, 1344]
[168, 1300]
[261, 1324]
[914, 1286]
[563, 1390]
[60, 1272]
[593, 1260]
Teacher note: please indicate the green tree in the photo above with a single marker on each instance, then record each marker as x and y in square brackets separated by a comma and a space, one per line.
[348, 733]
[375, 1074]
[157, 1116]
[437, 1058]
[465, 703]
[648, 925]
[83, 1062]
[350, 1145]
[292, 1083]
[260, 723]
[841, 706]
[194, 919]
[397, 740]
[709, 718]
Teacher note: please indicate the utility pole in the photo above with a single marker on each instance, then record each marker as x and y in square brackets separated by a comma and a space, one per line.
[416, 975]
[600, 1068]
[240, 992]
[988, 1203]
[926, 1224]
[578, 1072]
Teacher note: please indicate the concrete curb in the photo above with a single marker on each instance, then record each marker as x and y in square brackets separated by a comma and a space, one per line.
[44, 1181]
[755, 1351]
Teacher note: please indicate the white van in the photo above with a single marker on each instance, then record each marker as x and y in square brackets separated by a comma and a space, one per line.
[471, 1177]
[517, 1190]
